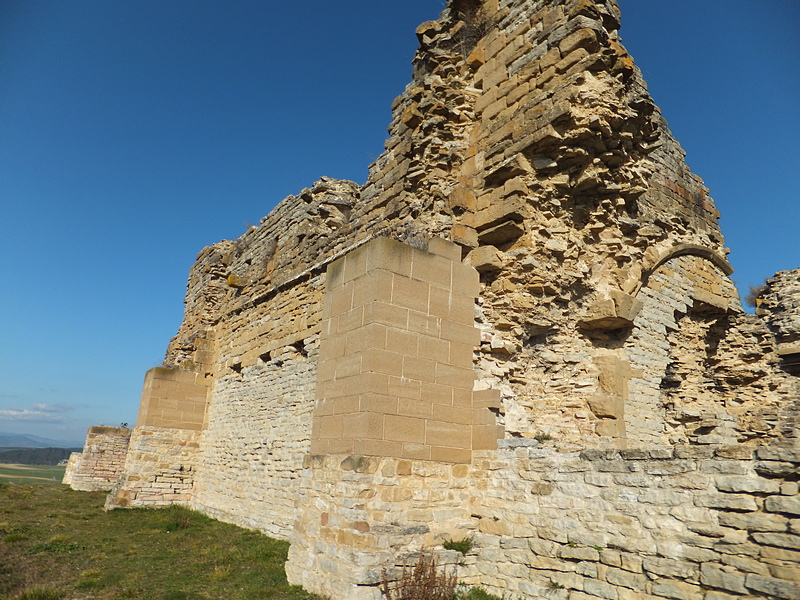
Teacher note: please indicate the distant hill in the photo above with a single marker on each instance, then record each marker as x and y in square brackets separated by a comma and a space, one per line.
[36, 456]
[26, 440]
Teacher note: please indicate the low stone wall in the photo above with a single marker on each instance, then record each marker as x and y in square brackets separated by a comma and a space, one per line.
[159, 470]
[102, 461]
[689, 523]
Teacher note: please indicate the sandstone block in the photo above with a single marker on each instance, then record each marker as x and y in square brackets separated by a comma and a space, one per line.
[375, 286]
[419, 409]
[747, 484]
[737, 502]
[389, 255]
[775, 588]
[404, 429]
[485, 258]
[464, 235]
[677, 590]
[452, 455]
[716, 577]
[386, 314]
[501, 233]
[782, 540]
[582, 38]
[382, 361]
[400, 341]
[513, 208]
[666, 567]
[363, 425]
[783, 504]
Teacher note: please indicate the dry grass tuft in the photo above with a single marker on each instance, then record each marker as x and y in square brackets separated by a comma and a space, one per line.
[423, 581]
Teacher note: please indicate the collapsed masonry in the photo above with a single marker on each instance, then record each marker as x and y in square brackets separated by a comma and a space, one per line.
[521, 328]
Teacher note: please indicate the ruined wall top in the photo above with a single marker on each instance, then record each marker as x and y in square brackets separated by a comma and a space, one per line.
[528, 138]
[779, 303]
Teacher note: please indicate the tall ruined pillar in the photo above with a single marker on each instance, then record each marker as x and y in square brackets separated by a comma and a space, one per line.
[394, 393]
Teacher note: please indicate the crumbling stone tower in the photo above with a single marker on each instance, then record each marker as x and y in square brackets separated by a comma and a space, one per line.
[520, 328]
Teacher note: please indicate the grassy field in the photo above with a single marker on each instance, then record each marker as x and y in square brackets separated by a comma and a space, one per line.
[58, 544]
[30, 474]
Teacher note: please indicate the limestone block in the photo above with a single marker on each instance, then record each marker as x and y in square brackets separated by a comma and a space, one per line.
[783, 504]
[714, 576]
[736, 502]
[775, 588]
[732, 483]
[513, 208]
[464, 235]
[782, 540]
[677, 590]
[501, 233]
[485, 259]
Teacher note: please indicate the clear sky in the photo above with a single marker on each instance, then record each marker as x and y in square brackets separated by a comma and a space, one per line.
[133, 133]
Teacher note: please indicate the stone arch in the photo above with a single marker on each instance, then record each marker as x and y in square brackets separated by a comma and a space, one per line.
[687, 280]
[650, 267]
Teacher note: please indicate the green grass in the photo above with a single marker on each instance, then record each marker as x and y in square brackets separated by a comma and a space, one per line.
[57, 543]
[30, 474]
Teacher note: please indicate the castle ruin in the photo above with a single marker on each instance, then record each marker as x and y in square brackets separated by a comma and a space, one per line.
[521, 328]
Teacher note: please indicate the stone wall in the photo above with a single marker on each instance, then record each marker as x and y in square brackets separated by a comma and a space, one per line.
[653, 522]
[779, 302]
[360, 514]
[102, 461]
[159, 469]
[650, 425]
[689, 522]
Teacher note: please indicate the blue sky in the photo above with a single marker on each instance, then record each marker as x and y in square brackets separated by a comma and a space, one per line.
[133, 133]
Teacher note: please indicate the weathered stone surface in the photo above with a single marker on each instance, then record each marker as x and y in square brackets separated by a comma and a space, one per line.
[775, 588]
[783, 504]
[323, 393]
[714, 576]
[747, 484]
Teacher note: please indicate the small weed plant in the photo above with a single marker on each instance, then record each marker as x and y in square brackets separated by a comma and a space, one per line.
[466, 592]
[463, 545]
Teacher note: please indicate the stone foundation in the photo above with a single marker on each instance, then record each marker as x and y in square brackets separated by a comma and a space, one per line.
[688, 522]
